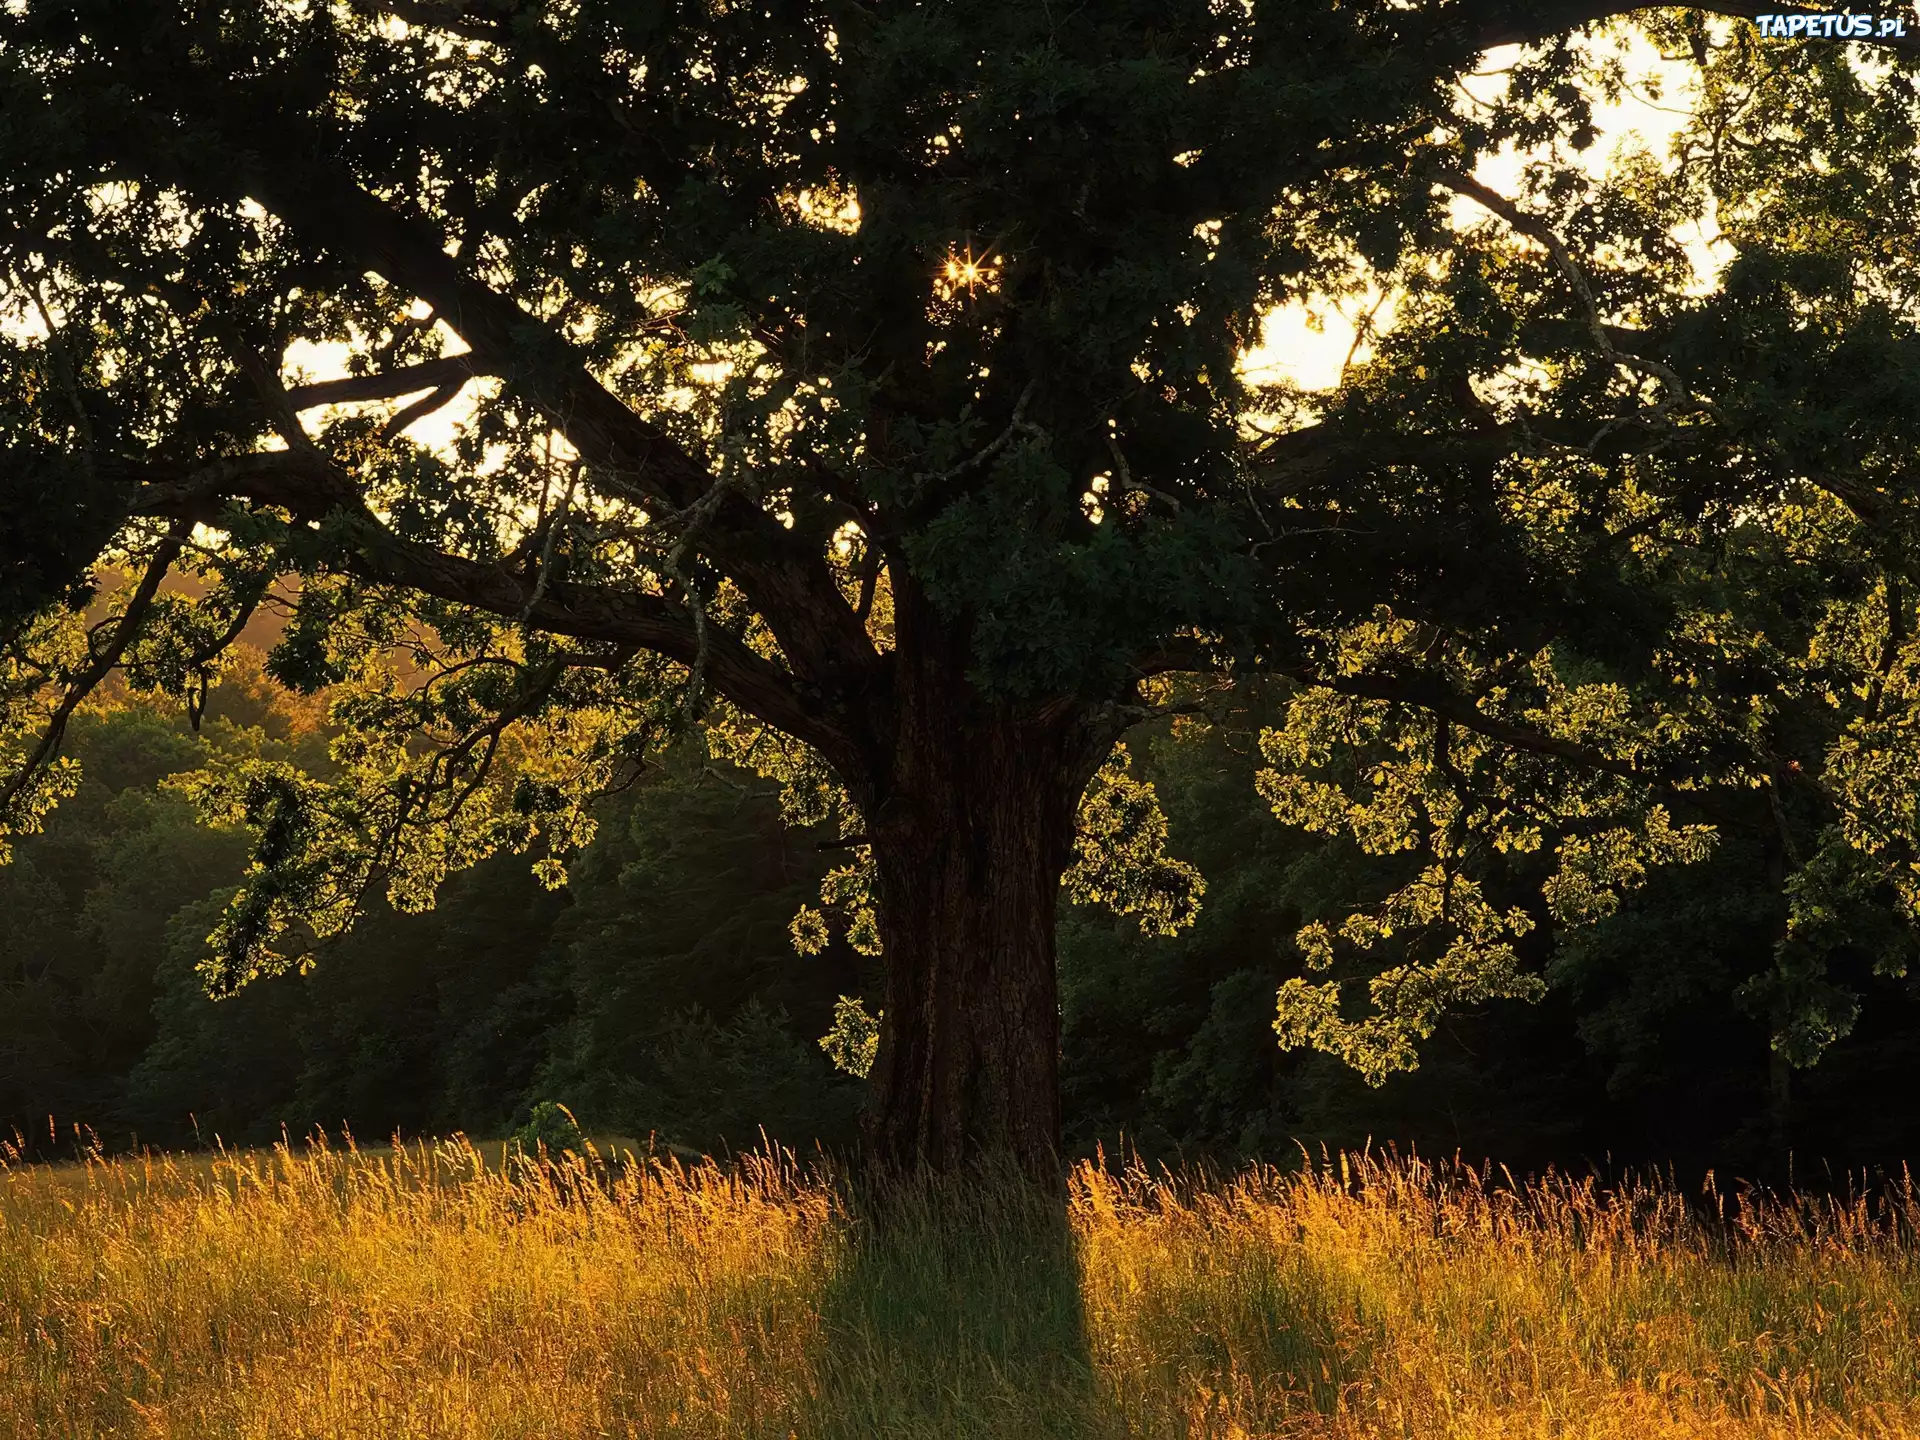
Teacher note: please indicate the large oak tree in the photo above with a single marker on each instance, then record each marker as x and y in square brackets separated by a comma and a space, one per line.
[861, 382]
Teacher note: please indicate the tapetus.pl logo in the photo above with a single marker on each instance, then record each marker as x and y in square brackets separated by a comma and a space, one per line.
[1845, 26]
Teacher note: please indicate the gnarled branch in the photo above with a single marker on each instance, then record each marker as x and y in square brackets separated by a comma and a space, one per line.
[100, 664]
[388, 384]
[312, 489]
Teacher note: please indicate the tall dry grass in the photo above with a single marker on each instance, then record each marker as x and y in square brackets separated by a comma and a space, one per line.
[424, 1292]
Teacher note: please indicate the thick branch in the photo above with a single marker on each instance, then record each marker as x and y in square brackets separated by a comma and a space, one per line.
[276, 161]
[1184, 655]
[1297, 459]
[100, 665]
[1314, 450]
[388, 384]
[1537, 229]
[1872, 506]
[793, 592]
[297, 480]
[309, 487]
[1181, 655]
[628, 454]
[1437, 699]
[426, 405]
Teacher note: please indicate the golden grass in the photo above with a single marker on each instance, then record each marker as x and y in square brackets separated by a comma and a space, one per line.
[423, 1292]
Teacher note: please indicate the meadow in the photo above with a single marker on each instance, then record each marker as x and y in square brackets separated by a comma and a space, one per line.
[430, 1290]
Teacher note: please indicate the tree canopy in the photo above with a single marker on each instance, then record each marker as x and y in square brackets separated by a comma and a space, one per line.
[861, 384]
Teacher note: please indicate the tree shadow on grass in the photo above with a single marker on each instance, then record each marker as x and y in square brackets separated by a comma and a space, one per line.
[954, 1310]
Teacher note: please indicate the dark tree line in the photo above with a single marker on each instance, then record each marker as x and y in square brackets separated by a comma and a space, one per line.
[660, 991]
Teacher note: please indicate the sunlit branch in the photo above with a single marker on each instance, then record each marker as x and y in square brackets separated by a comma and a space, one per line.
[1437, 699]
[443, 769]
[1533, 227]
[306, 485]
[100, 664]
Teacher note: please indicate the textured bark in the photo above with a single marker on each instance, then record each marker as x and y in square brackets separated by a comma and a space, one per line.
[971, 833]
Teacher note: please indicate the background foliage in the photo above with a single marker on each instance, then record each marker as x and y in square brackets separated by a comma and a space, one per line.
[661, 991]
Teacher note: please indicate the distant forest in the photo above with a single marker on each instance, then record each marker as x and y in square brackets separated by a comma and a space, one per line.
[660, 993]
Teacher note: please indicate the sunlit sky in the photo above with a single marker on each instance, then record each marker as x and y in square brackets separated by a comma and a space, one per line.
[1303, 343]
[1293, 350]
[1307, 344]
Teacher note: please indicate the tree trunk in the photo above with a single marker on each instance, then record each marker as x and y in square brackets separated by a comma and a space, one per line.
[970, 833]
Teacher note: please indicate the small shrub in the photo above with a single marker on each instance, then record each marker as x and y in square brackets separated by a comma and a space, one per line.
[550, 1129]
